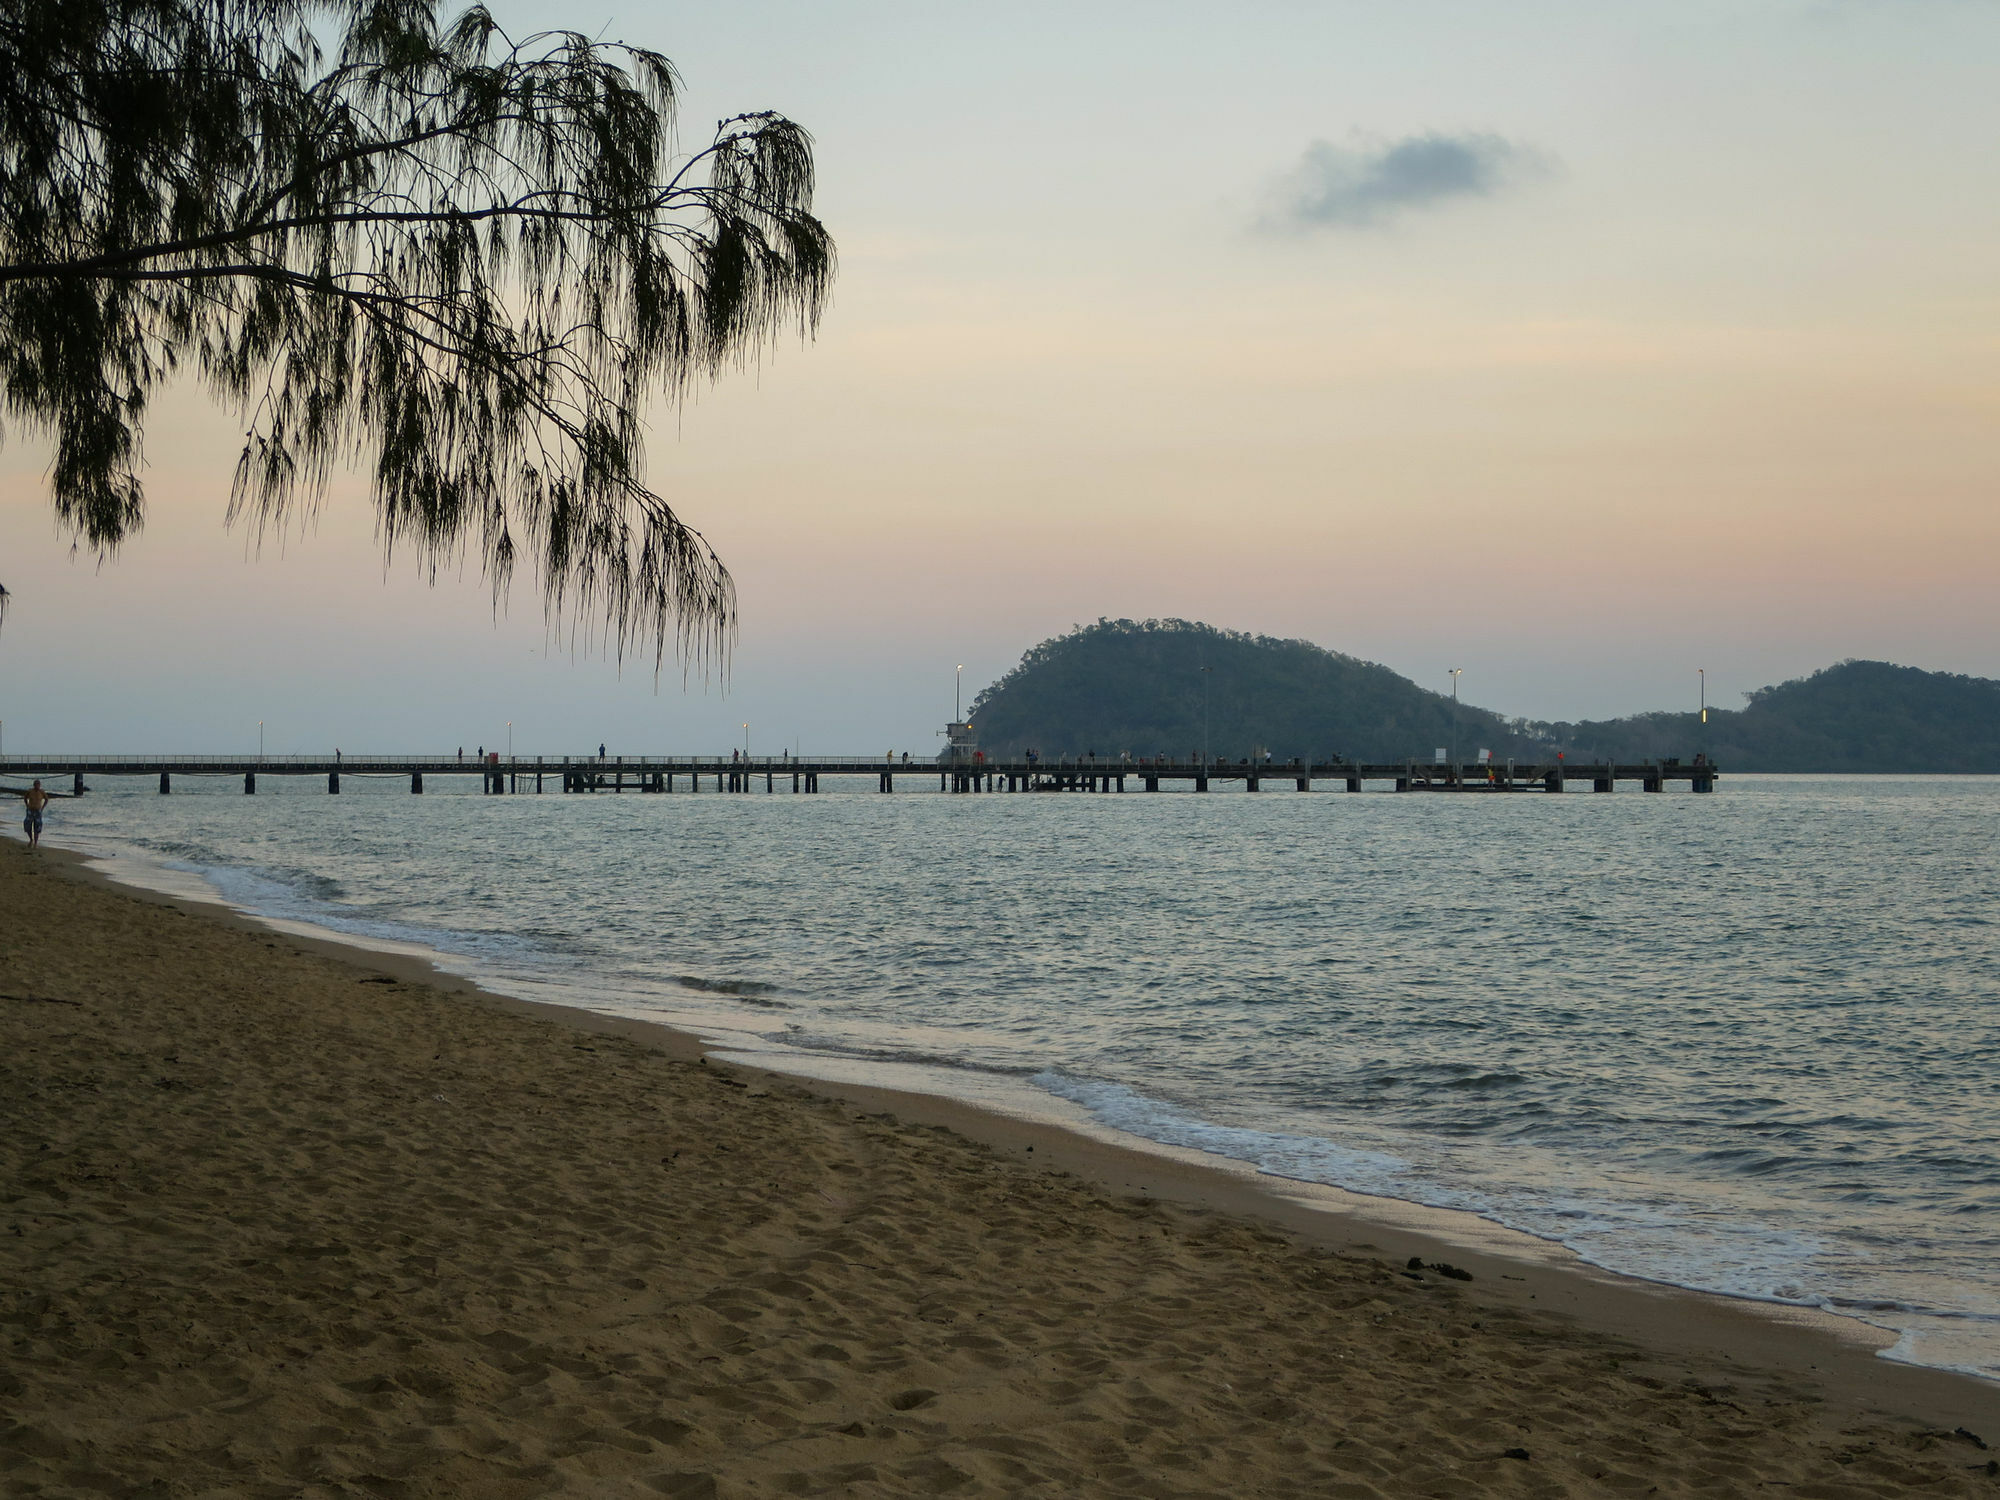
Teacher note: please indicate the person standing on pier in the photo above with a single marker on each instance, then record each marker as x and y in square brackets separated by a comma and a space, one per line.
[36, 800]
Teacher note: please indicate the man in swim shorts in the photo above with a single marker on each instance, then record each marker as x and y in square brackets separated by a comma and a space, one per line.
[36, 799]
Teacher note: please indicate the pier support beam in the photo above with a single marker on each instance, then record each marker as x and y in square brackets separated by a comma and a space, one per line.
[1305, 783]
[1553, 782]
[1354, 783]
[333, 783]
[1201, 783]
[249, 783]
[166, 783]
[1604, 783]
[416, 783]
[76, 786]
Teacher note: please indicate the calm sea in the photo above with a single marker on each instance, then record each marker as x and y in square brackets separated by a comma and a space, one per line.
[1744, 1043]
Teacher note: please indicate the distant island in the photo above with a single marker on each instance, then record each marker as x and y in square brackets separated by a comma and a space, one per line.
[1174, 687]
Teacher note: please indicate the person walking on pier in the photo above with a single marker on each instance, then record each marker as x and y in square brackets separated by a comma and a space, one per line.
[36, 800]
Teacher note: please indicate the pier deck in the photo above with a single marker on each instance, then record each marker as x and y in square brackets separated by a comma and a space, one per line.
[694, 773]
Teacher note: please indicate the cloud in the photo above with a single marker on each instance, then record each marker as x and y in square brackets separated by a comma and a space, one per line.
[1372, 181]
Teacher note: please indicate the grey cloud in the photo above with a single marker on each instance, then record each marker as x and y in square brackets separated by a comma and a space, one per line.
[1370, 182]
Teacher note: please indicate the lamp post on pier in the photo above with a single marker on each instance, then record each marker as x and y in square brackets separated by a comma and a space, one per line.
[958, 695]
[260, 742]
[1454, 722]
[746, 742]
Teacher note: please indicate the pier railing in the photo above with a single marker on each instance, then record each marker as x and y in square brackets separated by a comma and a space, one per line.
[738, 773]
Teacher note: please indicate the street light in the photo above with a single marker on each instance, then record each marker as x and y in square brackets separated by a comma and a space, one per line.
[746, 741]
[510, 742]
[1702, 673]
[260, 742]
[958, 695]
[1454, 721]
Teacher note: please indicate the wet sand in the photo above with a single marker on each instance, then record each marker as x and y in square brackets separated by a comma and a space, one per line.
[281, 1218]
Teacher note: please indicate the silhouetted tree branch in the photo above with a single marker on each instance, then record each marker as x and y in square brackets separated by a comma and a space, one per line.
[462, 261]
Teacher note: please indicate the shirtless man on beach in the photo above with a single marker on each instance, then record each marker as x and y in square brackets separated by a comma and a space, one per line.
[36, 799]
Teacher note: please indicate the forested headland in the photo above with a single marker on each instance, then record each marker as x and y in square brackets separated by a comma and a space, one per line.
[1177, 688]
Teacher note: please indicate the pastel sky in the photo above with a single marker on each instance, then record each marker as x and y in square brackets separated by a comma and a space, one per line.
[1576, 345]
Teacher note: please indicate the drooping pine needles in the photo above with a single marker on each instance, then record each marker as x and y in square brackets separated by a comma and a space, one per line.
[461, 262]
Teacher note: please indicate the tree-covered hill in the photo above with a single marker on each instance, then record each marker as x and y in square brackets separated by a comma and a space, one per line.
[1138, 686]
[1857, 716]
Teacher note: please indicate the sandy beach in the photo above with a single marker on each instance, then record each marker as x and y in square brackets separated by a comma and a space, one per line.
[282, 1218]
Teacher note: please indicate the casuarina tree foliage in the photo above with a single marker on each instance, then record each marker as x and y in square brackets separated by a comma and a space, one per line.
[461, 261]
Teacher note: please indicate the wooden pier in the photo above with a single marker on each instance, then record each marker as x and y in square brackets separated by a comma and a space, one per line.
[694, 774]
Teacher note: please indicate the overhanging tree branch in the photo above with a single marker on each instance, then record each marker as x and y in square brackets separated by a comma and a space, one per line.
[462, 262]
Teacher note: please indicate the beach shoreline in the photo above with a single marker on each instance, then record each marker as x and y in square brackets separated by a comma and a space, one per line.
[291, 1216]
[1714, 1335]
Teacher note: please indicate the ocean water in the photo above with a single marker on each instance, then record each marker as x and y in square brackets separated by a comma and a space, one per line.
[1744, 1043]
